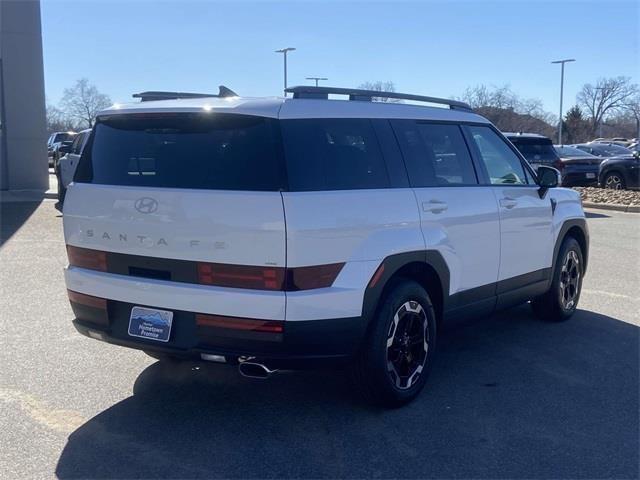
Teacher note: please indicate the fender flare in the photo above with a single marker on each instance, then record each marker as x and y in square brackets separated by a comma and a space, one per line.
[391, 265]
[580, 223]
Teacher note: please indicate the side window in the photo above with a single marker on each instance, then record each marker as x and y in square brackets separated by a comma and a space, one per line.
[77, 144]
[333, 154]
[436, 154]
[502, 164]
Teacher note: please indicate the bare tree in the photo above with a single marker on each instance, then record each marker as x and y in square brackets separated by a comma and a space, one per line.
[607, 96]
[633, 107]
[57, 121]
[83, 101]
[508, 111]
[380, 86]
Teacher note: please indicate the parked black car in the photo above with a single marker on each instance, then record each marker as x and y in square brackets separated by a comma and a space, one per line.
[537, 149]
[578, 168]
[600, 149]
[620, 172]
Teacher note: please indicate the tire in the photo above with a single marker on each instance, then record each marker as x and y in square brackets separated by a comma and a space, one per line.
[614, 181]
[389, 370]
[561, 301]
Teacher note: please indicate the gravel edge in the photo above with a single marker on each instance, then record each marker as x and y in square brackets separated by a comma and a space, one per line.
[612, 206]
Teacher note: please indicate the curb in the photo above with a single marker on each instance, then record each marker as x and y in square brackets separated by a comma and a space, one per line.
[612, 206]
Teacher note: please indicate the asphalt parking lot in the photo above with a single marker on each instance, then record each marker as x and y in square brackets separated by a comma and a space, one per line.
[509, 397]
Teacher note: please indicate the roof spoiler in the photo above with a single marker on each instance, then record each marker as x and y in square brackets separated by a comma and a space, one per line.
[154, 95]
[368, 95]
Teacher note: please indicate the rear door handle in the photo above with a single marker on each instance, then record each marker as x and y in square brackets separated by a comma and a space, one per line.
[508, 202]
[434, 206]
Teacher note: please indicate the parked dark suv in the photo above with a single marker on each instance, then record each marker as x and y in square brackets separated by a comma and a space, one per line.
[537, 149]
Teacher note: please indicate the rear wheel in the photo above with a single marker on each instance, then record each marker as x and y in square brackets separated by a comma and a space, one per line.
[561, 301]
[614, 181]
[393, 365]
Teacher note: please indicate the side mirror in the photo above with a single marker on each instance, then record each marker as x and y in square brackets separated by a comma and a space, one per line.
[548, 177]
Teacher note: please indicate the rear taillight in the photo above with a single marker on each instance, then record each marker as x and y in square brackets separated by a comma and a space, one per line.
[234, 323]
[268, 278]
[241, 276]
[87, 258]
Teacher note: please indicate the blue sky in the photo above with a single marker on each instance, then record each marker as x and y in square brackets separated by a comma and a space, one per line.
[432, 48]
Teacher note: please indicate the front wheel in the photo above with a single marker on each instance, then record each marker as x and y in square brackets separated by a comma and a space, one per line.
[614, 181]
[393, 364]
[561, 301]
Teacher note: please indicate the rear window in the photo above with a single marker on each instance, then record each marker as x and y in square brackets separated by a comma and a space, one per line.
[535, 150]
[63, 137]
[333, 154]
[198, 151]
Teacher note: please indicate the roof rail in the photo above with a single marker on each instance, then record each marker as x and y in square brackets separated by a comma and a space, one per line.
[306, 91]
[154, 95]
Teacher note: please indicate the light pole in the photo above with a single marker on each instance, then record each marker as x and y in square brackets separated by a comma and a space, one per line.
[561, 62]
[316, 79]
[284, 52]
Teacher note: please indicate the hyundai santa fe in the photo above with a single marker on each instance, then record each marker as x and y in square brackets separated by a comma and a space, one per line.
[291, 233]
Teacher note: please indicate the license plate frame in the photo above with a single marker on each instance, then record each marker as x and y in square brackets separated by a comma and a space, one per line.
[150, 324]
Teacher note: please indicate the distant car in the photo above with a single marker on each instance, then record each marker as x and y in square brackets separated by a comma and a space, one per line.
[70, 155]
[620, 173]
[601, 149]
[54, 143]
[578, 168]
[537, 149]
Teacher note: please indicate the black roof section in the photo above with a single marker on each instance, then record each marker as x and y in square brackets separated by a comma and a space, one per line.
[306, 91]
[154, 95]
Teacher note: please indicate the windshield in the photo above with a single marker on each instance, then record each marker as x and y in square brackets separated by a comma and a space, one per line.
[536, 150]
[610, 150]
[572, 152]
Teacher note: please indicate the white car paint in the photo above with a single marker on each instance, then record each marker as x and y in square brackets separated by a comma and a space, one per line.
[481, 240]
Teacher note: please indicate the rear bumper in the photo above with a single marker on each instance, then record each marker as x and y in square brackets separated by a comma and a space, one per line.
[303, 344]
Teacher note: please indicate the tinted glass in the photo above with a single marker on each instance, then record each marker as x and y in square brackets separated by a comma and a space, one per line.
[609, 150]
[77, 144]
[436, 154]
[502, 164]
[332, 154]
[569, 152]
[204, 151]
[536, 150]
[62, 137]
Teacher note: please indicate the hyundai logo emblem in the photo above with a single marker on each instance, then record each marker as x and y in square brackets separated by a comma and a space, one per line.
[146, 205]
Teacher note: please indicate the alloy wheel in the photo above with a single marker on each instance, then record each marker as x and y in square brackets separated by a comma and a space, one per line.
[407, 344]
[613, 182]
[570, 280]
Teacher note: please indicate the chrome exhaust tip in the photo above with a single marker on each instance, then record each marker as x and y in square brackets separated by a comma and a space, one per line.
[255, 370]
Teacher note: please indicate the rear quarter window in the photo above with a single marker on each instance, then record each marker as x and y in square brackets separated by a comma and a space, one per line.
[333, 154]
[196, 151]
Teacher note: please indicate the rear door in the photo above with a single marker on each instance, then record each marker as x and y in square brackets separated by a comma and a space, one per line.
[199, 187]
[525, 218]
[459, 217]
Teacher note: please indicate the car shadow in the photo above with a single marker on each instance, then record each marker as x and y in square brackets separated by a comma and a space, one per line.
[595, 215]
[509, 396]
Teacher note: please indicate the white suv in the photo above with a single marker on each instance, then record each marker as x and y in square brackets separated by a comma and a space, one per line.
[285, 233]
